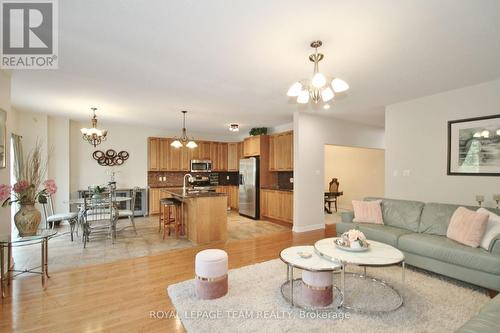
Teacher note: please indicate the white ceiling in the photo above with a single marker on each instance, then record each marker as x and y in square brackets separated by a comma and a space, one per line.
[224, 61]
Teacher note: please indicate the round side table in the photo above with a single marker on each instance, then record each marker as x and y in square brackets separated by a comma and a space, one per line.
[305, 258]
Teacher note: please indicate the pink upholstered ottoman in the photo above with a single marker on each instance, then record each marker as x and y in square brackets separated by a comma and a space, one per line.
[317, 288]
[211, 274]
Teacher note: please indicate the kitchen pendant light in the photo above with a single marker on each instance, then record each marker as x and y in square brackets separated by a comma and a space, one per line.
[93, 135]
[184, 140]
[319, 87]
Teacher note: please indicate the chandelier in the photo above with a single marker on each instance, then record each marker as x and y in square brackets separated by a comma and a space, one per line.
[184, 140]
[93, 135]
[319, 88]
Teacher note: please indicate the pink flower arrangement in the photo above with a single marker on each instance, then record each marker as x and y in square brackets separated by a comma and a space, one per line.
[50, 186]
[25, 193]
[5, 191]
[21, 186]
[355, 235]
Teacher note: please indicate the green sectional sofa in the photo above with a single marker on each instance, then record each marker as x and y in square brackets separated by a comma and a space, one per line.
[418, 229]
[487, 321]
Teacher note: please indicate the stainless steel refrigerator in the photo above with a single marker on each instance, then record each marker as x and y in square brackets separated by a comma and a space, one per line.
[249, 187]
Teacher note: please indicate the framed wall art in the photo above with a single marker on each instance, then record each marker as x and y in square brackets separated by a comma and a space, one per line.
[474, 146]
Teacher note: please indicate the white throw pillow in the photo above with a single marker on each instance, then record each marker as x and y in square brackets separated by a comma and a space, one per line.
[492, 228]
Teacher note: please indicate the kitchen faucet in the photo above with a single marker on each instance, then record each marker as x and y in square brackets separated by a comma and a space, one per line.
[190, 179]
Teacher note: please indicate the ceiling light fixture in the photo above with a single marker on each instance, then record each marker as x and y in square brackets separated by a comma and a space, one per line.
[93, 135]
[316, 89]
[234, 127]
[184, 140]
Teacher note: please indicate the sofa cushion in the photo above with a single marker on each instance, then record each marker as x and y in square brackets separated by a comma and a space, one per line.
[447, 250]
[467, 227]
[436, 218]
[380, 233]
[367, 211]
[403, 214]
[492, 228]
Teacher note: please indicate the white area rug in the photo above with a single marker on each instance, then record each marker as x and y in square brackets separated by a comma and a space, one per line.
[254, 304]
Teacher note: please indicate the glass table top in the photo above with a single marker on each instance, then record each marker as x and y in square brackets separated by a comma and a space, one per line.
[41, 234]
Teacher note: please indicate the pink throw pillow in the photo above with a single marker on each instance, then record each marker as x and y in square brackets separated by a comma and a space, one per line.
[467, 227]
[367, 211]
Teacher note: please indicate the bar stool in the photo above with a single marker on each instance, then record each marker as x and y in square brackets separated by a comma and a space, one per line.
[171, 216]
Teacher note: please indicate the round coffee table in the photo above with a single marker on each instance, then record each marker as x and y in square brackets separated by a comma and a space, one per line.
[378, 255]
[315, 263]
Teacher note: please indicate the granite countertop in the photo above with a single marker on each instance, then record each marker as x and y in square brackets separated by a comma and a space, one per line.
[276, 188]
[192, 194]
[170, 187]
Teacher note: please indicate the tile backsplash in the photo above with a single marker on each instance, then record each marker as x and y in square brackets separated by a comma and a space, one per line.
[284, 180]
[174, 179]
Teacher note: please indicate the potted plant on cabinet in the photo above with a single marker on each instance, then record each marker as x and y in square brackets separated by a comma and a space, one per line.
[29, 190]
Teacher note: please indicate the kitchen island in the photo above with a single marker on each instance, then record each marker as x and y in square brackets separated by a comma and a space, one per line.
[204, 214]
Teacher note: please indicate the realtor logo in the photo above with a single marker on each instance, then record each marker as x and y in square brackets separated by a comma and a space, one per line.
[29, 34]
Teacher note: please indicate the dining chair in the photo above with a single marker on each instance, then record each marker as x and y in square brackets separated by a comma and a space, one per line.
[129, 213]
[51, 218]
[98, 216]
[332, 195]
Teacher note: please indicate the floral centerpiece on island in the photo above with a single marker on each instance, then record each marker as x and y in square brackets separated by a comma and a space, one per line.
[29, 190]
[354, 239]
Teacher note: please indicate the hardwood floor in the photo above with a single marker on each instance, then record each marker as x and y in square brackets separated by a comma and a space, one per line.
[119, 296]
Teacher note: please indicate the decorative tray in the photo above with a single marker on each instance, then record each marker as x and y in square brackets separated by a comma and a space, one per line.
[341, 244]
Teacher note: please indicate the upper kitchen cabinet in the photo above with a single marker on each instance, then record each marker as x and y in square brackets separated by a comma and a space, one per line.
[218, 155]
[281, 152]
[204, 150]
[252, 145]
[154, 154]
[233, 156]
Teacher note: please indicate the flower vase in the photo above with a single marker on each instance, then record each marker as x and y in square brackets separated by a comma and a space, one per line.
[27, 220]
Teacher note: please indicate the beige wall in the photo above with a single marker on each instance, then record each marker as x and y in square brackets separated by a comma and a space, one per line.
[311, 134]
[360, 172]
[416, 140]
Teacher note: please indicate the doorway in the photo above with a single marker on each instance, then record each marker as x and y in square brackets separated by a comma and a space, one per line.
[360, 173]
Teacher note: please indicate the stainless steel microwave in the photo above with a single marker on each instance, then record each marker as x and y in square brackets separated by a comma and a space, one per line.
[201, 166]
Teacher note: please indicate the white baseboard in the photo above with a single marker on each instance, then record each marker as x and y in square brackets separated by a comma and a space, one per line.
[308, 227]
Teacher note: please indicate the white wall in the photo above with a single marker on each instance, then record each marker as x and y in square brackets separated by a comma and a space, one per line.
[59, 162]
[416, 140]
[360, 171]
[5, 216]
[311, 134]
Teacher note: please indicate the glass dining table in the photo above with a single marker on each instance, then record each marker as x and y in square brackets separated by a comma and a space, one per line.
[8, 241]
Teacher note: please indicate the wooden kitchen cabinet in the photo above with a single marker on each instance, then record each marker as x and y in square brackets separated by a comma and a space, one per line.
[232, 157]
[222, 156]
[251, 146]
[154, 154]
[276, 205]
[281, 152]
[155, 194]
[232, 195]
[204, 150]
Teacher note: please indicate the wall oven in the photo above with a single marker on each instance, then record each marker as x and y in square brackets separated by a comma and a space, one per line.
[201, 166]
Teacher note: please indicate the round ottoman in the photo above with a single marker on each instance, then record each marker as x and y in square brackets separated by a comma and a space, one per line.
[317, 288]
[211, 274]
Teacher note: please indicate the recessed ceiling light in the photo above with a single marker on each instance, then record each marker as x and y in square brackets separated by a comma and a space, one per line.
[234, 127]
[326, 106]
